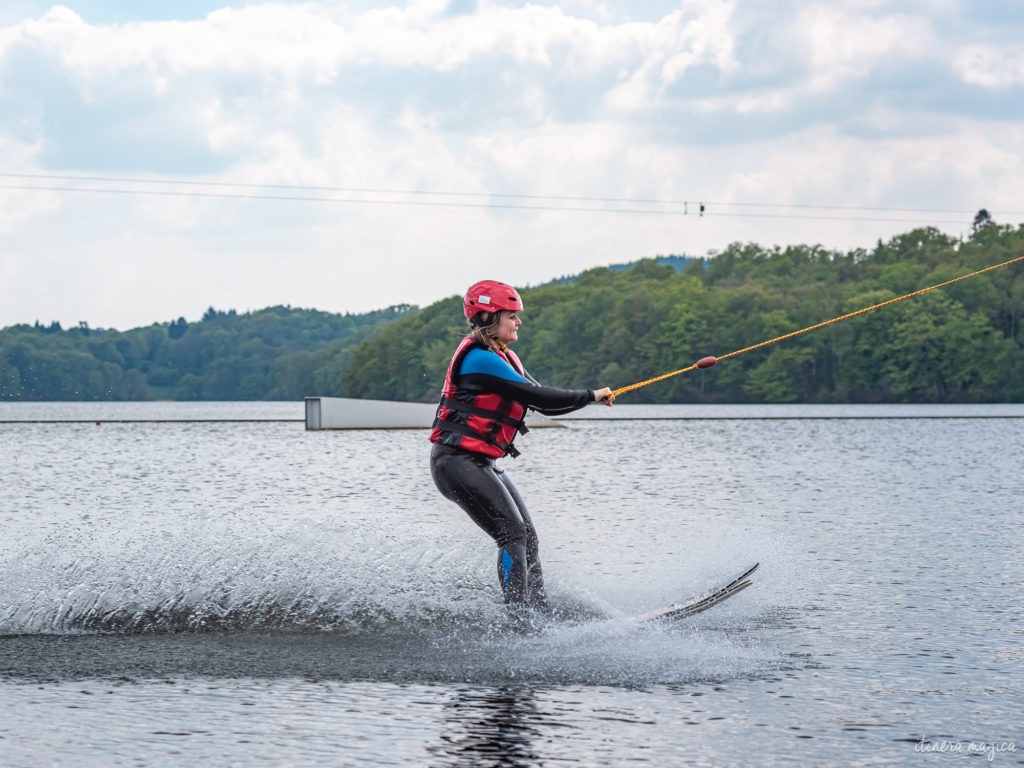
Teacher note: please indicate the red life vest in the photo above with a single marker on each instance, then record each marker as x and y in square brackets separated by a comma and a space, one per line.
[481, 422]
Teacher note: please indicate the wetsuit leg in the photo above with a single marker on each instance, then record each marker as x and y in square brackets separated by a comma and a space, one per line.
[491, 500]
[534, 571]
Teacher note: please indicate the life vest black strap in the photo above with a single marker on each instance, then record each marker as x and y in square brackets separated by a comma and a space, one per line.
[461, 429]
[474, 410]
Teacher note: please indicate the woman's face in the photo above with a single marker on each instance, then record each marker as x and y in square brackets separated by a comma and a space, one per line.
[508, 327]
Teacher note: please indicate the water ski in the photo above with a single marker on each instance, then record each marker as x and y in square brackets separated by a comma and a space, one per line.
[678, 611]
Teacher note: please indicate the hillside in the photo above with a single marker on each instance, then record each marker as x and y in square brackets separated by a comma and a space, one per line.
[613, 327]
[278, 353]
[609, 326]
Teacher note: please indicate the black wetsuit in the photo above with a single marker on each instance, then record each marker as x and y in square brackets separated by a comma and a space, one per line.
[484, 491]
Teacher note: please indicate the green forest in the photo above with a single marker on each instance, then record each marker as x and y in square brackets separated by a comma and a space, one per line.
[278, 353]
[609, 326]
[616, 327]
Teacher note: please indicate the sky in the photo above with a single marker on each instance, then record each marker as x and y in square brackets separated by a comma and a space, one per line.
[161, 158]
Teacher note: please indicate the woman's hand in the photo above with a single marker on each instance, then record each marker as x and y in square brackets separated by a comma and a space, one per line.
[604, 396]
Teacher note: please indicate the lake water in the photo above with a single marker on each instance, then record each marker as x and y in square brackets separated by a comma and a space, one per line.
[212, 584]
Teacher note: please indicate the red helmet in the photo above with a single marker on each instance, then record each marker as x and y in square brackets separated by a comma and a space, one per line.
[490, 296]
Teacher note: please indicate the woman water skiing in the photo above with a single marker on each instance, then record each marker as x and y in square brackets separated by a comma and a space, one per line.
[484, 400]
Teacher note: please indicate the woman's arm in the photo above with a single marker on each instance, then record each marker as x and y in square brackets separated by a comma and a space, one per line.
[551, 401]
[486, 371]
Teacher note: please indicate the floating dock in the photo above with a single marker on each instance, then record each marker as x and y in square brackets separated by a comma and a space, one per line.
[353, 413]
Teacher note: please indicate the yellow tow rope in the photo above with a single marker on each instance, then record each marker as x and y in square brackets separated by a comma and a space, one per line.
[707, 362]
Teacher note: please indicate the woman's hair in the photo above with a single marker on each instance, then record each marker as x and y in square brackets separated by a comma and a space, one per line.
[484, 326]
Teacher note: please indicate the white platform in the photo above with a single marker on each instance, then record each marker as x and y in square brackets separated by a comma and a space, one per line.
[351, 413]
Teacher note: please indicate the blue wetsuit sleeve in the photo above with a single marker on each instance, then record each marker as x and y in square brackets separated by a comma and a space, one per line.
[489, 364]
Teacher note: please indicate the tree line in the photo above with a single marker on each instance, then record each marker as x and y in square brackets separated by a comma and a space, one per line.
[609, 326]
[612, 328]
[277, 353]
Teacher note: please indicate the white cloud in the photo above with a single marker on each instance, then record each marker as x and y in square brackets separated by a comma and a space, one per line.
[18, 205]
[845, 43]
[850, 104]
[991, 67]
[682, 40]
